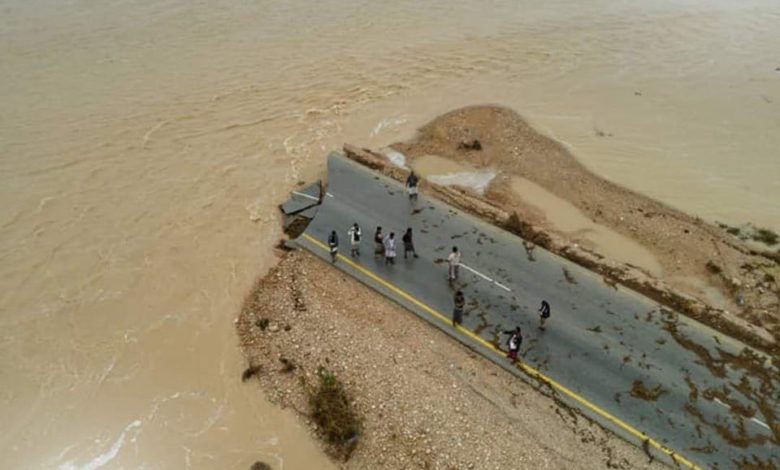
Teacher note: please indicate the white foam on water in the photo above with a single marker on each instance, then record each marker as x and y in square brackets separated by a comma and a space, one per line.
[107, 456]
[478, 180]
[387, 123]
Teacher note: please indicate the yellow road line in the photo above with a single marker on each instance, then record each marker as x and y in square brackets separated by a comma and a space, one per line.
[528, 369]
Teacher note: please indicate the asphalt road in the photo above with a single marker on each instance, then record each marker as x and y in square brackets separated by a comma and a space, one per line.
[635, 367]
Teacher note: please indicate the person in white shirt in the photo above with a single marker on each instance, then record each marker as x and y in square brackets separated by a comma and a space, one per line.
[354, 239]
[454, 265]
[389, 243]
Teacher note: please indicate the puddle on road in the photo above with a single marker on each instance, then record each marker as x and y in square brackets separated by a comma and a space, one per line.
[567, 218]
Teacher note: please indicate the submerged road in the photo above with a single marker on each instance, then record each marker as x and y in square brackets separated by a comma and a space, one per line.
[662, 381]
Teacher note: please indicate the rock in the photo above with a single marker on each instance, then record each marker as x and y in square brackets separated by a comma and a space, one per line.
[470, 145]
[273, 328]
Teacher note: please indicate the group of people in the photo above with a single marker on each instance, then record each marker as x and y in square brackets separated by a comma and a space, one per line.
[385, 244]
[385, 248]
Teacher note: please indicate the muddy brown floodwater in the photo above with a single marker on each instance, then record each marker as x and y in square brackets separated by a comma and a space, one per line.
[144, 147]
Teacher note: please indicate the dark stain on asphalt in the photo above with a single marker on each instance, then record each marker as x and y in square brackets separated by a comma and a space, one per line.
[734, 405]
[737, 437]
[758, 384]
[483, 323]
[708, 449]
[693, 390]
[649, 315]
[568, 276]
[595, 329]
[714, 365]
[495, 334]
[641, 391]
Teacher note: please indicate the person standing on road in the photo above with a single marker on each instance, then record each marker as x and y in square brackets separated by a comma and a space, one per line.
[333, 243]
[453, 261]
[408, 243]
[457, 311]
[379, 250]
[514, 342]
[544, 314]
[354, 239]
[390, 248]
[411, 186]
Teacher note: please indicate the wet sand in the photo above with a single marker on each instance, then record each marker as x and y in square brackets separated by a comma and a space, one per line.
[561, 215]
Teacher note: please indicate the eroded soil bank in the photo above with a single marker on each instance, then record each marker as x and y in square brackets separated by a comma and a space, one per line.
[704, 270]
[426, 401]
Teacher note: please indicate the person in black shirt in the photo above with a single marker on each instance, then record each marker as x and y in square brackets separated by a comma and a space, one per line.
[408, 243]
[333, 243]
[379, 251]
[457, 311]
[411, 186]
[544, 314]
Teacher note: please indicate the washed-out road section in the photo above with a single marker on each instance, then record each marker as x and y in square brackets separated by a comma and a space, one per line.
[669, 384]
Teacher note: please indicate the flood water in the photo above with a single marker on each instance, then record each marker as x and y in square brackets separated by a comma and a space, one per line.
[145, 145]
